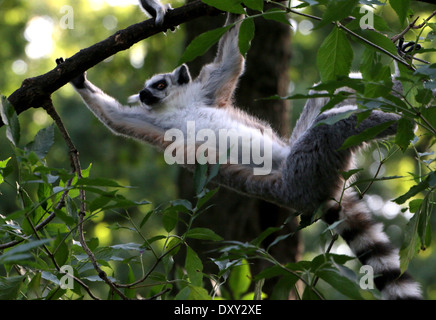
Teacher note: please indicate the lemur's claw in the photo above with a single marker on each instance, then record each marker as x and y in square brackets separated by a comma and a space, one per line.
[79, 81]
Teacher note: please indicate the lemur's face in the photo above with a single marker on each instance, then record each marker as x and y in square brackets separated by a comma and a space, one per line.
[160, 86]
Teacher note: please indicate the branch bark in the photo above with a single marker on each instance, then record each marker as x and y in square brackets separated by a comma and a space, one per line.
[35, 92]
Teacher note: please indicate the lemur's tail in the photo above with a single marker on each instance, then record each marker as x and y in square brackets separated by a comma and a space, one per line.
[372, 247]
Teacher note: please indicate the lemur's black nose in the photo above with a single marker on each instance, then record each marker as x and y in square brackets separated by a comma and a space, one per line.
[144, 94]
[147, 97]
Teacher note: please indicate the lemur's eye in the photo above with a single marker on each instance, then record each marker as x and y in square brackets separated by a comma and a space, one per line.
[161, 85]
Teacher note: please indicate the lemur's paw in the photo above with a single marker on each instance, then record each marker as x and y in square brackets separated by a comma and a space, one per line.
[160, 14]
[79, 81]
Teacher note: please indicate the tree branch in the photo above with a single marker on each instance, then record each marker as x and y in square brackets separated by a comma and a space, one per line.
[35, 92]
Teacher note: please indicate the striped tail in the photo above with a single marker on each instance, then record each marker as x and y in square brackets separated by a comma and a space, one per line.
[372, 247]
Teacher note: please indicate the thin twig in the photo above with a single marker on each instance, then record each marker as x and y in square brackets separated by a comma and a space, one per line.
[372, 181]
[75, 163]
[398, 59]
[425, 21]
[402, 33]
[156, 263]
[159, 294]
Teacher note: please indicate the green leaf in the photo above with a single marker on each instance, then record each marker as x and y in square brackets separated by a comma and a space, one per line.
[130, 293]
[337, 10]
[401, 7]
[341, 283]
[335, 56]
[254, 4]
[424, 96]
[246, 34]
[366, 135]
[146, 217]
[275, 271]
[283, 287]
[336, 117]
[3, 165]
[203, 234]
[424, 226]
[348, 174]
[98, 203]
[198, 293]
[98, 182]
[19, 253]
[276, 14]
[426, 183]
[405, 133]
[429, 114]
[309, 294]
[60, 250]
[203, 198]
[381, 41]
[267, 232]
[233, 6]
[170, 218]
[240, 279]
[173, 245]
[200, 177]
[44, 139]
[10, 287]
[185, 204]
[410, 245]
[10, 118]
[202, 43]
[194, 267]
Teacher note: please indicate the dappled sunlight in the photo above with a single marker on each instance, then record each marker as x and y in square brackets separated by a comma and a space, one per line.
[39, 35]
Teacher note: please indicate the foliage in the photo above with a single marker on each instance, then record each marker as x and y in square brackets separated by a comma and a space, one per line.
[48, 255]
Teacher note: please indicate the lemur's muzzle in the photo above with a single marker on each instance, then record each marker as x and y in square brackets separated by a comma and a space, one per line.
[147, 97]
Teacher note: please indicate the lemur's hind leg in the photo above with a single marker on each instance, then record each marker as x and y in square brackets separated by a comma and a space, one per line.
[312, 171]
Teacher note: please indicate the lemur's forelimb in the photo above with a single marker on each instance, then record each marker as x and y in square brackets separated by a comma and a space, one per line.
[219, 78]
[121, 120]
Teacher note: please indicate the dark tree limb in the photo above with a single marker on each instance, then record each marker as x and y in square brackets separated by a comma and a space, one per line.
[35, 92]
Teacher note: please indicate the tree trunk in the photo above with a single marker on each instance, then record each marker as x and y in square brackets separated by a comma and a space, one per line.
[234, 216]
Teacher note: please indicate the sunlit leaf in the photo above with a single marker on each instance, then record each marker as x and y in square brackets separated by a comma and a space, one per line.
[203, 234]
[246, 34]
[335, 56]
[194, 267]
[202, 43]
[240, 279]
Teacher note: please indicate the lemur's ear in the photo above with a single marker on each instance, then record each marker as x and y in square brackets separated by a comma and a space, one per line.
[182, 74]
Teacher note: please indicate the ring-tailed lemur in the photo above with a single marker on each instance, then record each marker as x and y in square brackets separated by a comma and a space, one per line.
[155, 9]
[306, 173]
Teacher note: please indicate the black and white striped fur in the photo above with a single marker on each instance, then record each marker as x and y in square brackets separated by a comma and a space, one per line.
[155, 9]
